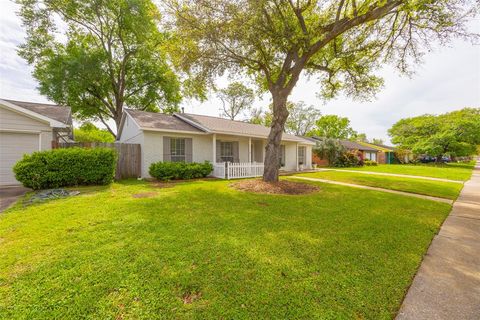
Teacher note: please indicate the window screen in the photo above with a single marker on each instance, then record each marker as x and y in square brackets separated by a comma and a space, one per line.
[177, 149]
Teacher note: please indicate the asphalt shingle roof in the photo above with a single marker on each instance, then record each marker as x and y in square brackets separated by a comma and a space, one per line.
[52, 111]
[199, 123]
[351, 145]
[227, 126]
[152, 120]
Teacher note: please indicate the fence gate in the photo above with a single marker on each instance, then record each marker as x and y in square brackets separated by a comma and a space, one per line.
[129, 163]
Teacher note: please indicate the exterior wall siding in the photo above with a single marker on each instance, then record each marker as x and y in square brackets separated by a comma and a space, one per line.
[152, 148]
[14, 121]
[202, 146]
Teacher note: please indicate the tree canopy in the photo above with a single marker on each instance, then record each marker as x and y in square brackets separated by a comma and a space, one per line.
[88, 132]
[302, 118]
[455, 133]
[236, 98]
[98, 55]
[333, 126]
[341, 42]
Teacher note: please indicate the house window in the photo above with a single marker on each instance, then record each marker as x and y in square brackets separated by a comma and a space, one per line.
[282, 156]
[177, 149]
[226, 151]
[301, 155]
[371, 156]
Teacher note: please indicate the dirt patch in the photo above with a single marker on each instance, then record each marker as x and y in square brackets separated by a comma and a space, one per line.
[144, 195]
[281, 187]
[262, 204]
[162, 185]
[191, 297]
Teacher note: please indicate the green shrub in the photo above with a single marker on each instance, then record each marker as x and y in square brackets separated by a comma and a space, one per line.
[179, 170]
[370, 163]
[66, 167]
[347, 160]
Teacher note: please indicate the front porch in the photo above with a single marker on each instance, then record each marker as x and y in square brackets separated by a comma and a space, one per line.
[243, 157]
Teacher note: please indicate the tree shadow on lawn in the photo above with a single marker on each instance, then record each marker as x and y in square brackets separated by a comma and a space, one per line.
[298, 256]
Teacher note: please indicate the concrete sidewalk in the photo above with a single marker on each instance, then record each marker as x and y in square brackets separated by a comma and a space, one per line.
[393, 175]
[403, 193]
[447, 285]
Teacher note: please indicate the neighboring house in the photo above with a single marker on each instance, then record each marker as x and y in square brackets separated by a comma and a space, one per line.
[27, 127]
[198, 138]
[385, 154]
[361, 151]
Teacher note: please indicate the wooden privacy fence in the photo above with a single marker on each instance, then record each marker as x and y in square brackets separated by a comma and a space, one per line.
[129, 163]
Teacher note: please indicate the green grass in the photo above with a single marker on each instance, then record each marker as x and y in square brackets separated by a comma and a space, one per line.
[341, 253]
[451, 171]
[449, 190]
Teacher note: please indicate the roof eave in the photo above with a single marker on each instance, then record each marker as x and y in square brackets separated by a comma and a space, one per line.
[53, 123]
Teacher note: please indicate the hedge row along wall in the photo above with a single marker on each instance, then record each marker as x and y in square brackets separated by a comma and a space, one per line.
[66, 167]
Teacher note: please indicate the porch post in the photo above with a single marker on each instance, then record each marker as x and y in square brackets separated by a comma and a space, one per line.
[250, 149]
[214, 148]
[296, 157]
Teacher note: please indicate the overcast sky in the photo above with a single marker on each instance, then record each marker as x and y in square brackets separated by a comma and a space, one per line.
[449, 79]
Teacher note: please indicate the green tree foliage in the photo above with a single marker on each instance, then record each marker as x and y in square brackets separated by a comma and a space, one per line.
[455, 133]
[236, 98]
[333, 126]
[341, 42]
[330, 149]
[362, 137]
[302, 118]
[88, 132]
[98, 55]
[377, 141]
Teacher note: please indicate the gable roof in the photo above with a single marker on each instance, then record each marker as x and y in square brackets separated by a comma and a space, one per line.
[350, 145]
[153, 120]
[195, 123]
[226, 126]
[380, 147]
[59, 114]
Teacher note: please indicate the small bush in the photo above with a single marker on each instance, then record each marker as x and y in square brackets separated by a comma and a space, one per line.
[179, 170]
[347, 160]
[370, 163]
[66, 167]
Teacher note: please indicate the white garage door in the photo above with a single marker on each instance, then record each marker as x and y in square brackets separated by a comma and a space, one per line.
[12, 148]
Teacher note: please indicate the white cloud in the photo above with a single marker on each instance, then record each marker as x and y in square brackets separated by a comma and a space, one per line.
[448, 80]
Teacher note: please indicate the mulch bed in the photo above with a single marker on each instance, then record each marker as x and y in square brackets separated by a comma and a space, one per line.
[281, 187]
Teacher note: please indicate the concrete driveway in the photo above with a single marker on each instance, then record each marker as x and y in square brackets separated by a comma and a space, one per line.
[8, 195]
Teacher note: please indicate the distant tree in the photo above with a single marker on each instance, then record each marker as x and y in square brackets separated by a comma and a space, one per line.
[236, 98]
[256, 116]
[330, 149]
[302, 118]
[88, 132]
[110, 53]
[342, 42]
[455, 133]
[362, 137]
[333, 126]
[377, 141]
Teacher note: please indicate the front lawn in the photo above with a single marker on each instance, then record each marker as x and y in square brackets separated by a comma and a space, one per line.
[451, 171]
[449, 190]
[203, 250]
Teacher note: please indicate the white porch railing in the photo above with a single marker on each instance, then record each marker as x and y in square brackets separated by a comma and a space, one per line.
[234, 170]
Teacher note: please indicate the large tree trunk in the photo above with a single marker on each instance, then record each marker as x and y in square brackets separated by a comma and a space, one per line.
[272, 150]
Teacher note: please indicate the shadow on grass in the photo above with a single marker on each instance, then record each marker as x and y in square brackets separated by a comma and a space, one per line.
[342, 253]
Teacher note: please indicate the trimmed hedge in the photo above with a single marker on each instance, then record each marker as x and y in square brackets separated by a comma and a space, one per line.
[180, 170]
[370, 163]
[66, 167]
